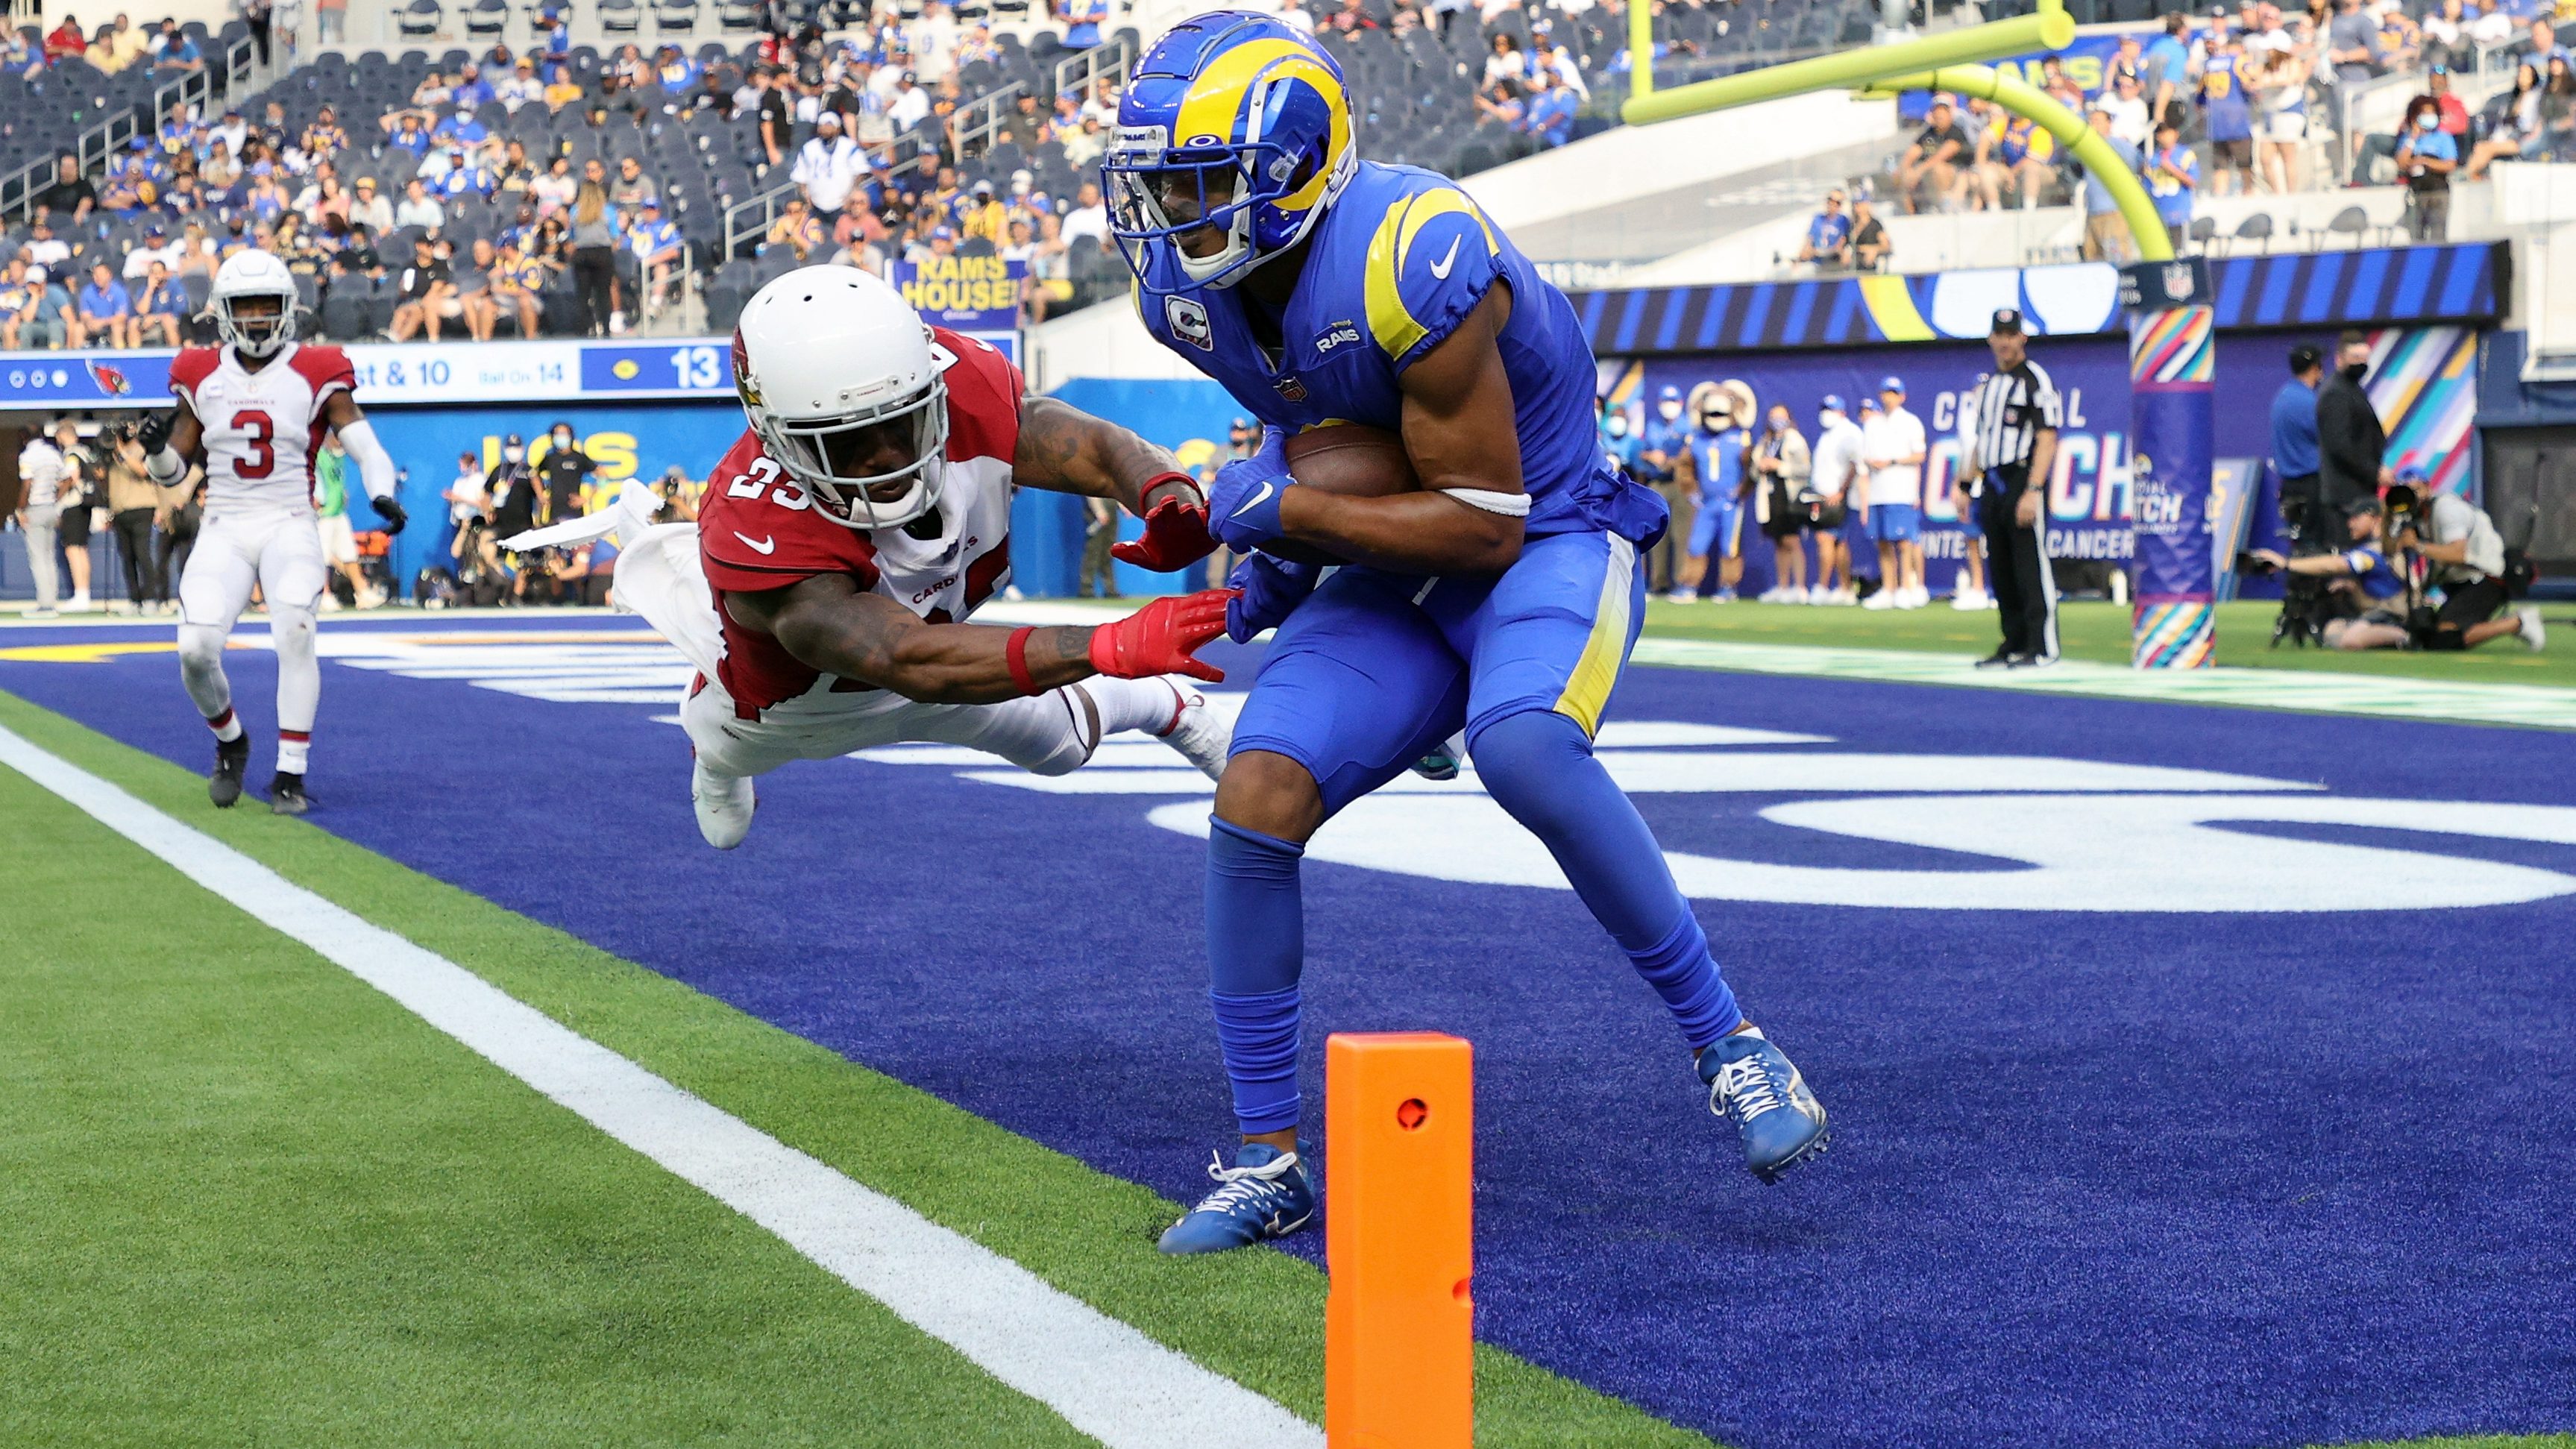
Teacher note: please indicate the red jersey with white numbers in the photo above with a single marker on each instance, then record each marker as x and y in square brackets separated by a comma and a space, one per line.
[261, 429]
[758, 530]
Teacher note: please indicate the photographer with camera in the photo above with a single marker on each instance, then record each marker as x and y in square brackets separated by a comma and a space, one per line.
[2372, 593]
[2465, 555]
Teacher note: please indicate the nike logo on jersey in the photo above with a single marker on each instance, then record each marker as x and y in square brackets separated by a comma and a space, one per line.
[762, 546]
[1440, 269]
[1255, 500]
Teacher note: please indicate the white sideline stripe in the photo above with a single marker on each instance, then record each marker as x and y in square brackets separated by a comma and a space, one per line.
[1107, 1379]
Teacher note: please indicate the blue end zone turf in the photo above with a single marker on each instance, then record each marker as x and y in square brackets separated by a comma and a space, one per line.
[2160, 1176]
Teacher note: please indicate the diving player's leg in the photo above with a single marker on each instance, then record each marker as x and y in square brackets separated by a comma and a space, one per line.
[214, 588]
[292, 574]
[1545, 649]
[1357, 685]
[726, 752]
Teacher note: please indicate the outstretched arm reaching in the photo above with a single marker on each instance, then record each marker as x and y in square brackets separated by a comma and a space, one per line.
[828, 623]
[1066, 450]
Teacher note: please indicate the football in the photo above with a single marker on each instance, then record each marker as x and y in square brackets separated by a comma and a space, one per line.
[1350, 459]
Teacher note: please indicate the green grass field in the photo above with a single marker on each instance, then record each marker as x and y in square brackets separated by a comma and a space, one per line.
[250, 1200]
[2098, 631]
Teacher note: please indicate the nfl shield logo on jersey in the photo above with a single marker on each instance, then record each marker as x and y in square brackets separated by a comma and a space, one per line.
[1291, 389]
[1189, 322]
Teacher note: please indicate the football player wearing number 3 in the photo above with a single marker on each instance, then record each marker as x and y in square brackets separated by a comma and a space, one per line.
[862, 517]
[254, 411]
[1501, 595]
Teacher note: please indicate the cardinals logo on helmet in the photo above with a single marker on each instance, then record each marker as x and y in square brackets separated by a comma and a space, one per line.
[743, 382]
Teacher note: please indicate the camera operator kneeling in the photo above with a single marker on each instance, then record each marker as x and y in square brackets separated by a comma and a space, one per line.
[2468, 561]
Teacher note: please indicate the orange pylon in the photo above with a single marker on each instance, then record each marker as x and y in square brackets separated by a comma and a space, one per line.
[1399, 1324]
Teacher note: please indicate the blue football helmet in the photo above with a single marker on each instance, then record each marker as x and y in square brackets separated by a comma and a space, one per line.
[1233, 136]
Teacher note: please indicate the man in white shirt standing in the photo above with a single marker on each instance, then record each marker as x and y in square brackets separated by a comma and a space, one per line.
[1894, 444]
[1837, 470]
[44, 469]
[829, 167]
[1088, 218]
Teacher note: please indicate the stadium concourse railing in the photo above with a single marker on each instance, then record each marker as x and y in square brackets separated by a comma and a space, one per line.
[231, 73]
[976, 121]
[1083, 67]
[749, 220]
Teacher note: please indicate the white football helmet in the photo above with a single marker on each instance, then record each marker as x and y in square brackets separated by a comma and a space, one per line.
[245, 276]
[842, 385]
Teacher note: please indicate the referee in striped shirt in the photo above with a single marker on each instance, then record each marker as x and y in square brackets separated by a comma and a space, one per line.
[2008, 465]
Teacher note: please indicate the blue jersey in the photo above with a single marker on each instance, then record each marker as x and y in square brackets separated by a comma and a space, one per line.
[2372, 570]
[1718, 459]
[1393, 266]
[1666, 438]
[2222, 100]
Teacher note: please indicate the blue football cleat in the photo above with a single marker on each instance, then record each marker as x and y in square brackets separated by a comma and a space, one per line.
[1751, 1083]
[1264, 1195]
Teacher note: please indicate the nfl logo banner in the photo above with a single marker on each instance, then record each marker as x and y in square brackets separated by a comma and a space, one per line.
[2157, 286]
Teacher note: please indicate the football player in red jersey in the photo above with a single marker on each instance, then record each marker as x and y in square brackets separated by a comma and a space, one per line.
[861, 519]
[254, 411]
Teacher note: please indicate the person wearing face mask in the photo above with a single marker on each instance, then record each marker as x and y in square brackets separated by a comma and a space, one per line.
[1622, 444]
[2351, 444]
[2426, 157]
[562, 471]
[1662, 444]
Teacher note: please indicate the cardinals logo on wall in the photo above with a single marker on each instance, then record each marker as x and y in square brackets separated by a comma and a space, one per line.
[111, 379]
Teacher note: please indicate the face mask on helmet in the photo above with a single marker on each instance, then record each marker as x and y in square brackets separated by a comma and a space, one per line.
[876, 468]
[257, 324]
[1207, 177]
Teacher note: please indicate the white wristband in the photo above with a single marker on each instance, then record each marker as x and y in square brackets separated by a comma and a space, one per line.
[166, 466]
[1490, 500]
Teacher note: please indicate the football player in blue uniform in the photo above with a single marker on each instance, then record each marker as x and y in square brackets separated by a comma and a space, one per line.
[1501, 598]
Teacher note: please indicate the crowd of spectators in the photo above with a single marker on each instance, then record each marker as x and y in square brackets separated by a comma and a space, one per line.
[2238, 102]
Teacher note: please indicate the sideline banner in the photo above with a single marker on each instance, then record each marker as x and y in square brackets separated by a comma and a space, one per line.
[963, 294]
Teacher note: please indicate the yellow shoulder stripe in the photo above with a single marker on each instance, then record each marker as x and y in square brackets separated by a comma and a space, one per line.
[1392, 323]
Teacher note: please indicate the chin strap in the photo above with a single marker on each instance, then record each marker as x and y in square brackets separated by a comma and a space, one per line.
[375, 465]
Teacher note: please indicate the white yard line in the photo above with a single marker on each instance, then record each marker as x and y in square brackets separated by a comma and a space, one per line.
[1104, 1377]
[2383, 696]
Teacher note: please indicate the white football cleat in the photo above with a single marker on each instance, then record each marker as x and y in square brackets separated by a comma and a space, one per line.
[2531, 631]
[1201, 735]
[724, 804]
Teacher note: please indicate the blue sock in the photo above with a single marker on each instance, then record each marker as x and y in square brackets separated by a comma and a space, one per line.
[1539, 766]
[1256, 935]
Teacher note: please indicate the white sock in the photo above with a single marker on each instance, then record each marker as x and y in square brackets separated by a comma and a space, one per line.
[299, 684]
[1151, 705]
[227, 726]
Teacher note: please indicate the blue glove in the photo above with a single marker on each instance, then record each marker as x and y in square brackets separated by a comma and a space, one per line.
[1243, 508]
[1272, 589]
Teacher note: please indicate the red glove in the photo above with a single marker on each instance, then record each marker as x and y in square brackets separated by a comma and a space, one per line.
[1176, 529]
[1162, 637]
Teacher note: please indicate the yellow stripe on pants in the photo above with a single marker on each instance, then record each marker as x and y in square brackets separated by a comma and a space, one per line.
[1588, 692]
